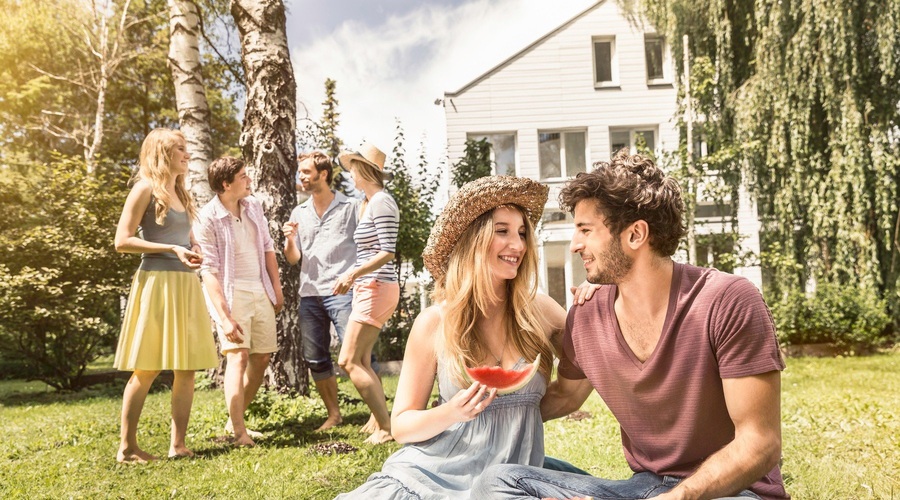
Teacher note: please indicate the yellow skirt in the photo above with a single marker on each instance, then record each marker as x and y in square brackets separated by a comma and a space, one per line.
[166, 324]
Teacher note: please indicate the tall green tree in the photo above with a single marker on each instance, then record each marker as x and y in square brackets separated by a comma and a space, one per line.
[414, 191]
[63, 311]
[139, 97]
[329, 141]
[475, 163]
[801, 99]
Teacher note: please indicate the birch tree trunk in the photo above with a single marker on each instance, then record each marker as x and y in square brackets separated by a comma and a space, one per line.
[190, 94]
[268, 142]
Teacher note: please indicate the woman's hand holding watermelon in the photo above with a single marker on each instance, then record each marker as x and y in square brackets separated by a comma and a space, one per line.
[469, 403]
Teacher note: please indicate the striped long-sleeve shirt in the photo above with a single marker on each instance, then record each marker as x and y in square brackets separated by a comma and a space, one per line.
[377, 231]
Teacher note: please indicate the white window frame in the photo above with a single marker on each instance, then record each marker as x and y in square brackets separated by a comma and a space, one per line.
[666, 78]
[478, 135]
[613, 62]
[563, 170]
[568, 269]
[632, 137]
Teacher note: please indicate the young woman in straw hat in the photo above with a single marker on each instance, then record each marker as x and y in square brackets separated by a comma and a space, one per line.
[373, 279]
[482, 254]
[165, 326]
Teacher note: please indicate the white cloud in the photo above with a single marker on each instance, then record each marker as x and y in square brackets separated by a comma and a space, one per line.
[396, 68]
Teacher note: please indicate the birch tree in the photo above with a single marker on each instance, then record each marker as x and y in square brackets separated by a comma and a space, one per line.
[268, 145]
[190, 93]
[102, 27]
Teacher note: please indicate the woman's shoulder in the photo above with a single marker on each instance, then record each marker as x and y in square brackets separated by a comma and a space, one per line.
[430, 316]
[425, 327]
[383, 199]
[546, 303]
[142, 186]
[141, 192]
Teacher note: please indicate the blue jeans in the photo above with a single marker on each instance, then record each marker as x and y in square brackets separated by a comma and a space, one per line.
[317, 314]
[507, 481]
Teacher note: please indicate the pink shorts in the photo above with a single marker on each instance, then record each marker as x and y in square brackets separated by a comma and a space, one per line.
[374, 301]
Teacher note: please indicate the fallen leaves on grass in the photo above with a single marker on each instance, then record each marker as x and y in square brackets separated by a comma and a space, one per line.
[332, 448]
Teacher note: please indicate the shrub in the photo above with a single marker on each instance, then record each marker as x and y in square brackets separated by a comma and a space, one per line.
[846, 316]
[392, 339]
[60, 277]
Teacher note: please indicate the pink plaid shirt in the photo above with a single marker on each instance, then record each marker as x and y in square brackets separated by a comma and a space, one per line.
[216, 239]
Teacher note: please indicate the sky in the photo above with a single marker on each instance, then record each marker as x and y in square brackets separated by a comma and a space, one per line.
[392, 59]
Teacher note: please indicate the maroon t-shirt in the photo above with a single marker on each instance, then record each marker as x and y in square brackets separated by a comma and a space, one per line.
[671, 408]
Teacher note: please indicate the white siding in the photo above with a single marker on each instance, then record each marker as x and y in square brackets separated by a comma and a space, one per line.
[551, 86]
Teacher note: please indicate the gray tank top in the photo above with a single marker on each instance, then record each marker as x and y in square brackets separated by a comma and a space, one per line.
[175, 231]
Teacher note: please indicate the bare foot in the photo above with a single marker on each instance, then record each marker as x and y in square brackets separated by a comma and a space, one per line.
[244, 441]
[135, 456]
[330, 422]
[180, 452]
[229, 429]
[370, 426]
[379, 436]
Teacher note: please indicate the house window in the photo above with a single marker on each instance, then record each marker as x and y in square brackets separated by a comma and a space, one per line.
[656, 56]
[605, 67]
[716, 250]
[636, 140]
[555, 216]
[503, 151]
[561, 154]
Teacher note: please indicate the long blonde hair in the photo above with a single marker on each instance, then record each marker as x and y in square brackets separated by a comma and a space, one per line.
[467, 293]
[156, 168]
[369, 173]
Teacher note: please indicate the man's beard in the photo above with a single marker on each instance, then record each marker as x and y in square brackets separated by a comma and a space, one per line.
[612, 265]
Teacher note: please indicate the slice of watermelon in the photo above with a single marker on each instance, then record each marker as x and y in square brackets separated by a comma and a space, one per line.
[505, 381]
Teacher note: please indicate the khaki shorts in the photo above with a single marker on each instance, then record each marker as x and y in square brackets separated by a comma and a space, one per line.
[255, 313]
[374, 301]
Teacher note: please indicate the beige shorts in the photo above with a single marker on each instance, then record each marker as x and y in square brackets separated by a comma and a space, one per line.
[255, 313]
[374, 301]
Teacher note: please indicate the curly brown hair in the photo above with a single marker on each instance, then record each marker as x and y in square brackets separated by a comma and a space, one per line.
[630, 188]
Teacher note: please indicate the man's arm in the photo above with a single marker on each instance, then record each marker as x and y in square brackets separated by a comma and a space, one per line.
[754, 404]
[291, 250]
[564, 396]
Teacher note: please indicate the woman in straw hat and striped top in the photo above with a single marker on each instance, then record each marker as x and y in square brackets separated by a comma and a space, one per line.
[374, 282]
[482, 254]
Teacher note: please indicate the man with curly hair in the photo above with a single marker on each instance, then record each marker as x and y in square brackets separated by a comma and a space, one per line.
[685, 357]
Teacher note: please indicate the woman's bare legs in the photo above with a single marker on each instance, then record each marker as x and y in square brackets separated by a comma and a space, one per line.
[182, 400]
[132, 405]
[356, 359]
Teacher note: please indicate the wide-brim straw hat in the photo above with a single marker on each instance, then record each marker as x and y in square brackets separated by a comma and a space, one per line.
[368, 154]
[473, 199]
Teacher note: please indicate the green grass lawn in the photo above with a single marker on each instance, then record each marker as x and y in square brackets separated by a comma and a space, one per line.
[841, 421]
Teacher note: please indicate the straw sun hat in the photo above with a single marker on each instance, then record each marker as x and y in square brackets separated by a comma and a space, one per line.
[368, 154]
[472, 200]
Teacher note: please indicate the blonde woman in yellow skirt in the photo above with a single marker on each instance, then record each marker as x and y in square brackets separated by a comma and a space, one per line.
[166, 324]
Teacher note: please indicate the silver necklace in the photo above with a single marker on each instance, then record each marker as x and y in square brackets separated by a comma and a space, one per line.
[502, 352]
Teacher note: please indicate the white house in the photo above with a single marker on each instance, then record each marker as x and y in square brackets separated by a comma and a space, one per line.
[590, 87]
